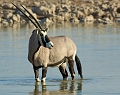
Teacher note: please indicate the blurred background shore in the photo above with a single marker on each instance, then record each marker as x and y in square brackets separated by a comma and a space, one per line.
[53, 11]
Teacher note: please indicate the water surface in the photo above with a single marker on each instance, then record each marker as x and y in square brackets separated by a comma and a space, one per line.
[98, 47]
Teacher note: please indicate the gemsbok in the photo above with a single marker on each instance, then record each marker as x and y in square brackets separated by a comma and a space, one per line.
[47, 51]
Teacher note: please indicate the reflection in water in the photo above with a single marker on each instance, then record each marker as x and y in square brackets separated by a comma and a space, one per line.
[98, 48]
[65, 87]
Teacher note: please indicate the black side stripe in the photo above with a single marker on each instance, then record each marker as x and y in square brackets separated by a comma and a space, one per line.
[57, 63]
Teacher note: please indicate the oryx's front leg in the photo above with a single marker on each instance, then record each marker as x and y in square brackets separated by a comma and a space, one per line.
[44, 72]
[36, 71]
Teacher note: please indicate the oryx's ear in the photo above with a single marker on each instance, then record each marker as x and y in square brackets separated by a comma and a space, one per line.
[37, 31]
[46, 29]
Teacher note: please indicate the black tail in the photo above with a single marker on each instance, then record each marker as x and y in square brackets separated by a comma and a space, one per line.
[79, 66]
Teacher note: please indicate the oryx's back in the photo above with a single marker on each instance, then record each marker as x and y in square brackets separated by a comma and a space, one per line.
[63, 47]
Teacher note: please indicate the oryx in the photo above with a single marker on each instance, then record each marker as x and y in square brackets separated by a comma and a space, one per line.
[47, 51]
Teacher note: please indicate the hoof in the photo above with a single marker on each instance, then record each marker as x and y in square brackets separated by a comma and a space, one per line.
[73, 76]
[43, 79]
[38, 80]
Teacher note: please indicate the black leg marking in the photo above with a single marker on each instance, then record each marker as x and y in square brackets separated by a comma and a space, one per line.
[36, 71]
[44, 72]
[63, 72]
[71, 68]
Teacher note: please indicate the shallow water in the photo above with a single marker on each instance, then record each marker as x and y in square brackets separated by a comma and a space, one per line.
[98, 49]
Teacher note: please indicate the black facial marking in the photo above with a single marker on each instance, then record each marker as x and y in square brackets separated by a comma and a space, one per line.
[47, 39]
[44, 43]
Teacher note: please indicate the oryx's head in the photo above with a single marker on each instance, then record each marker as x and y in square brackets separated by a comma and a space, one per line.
[42, 37]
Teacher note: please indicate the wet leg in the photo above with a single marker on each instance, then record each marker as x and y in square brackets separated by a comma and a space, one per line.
[71, 68]
[63, 72]
[44, 72]
[36, 71]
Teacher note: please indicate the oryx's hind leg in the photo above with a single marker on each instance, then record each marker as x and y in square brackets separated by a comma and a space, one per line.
[71, 67]
[36, 71]
[63, 71]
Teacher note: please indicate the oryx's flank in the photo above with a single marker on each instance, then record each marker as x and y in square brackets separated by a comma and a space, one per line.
[47, 51]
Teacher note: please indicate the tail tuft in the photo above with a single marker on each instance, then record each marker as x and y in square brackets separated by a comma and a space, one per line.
[79, 66]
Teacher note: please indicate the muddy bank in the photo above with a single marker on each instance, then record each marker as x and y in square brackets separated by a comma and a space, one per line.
[53, 11]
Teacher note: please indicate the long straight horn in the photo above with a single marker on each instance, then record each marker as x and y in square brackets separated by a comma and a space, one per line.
[26, 16]
[32, 17]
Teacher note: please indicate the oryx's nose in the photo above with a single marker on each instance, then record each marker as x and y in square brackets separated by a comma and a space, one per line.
[52, 45]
